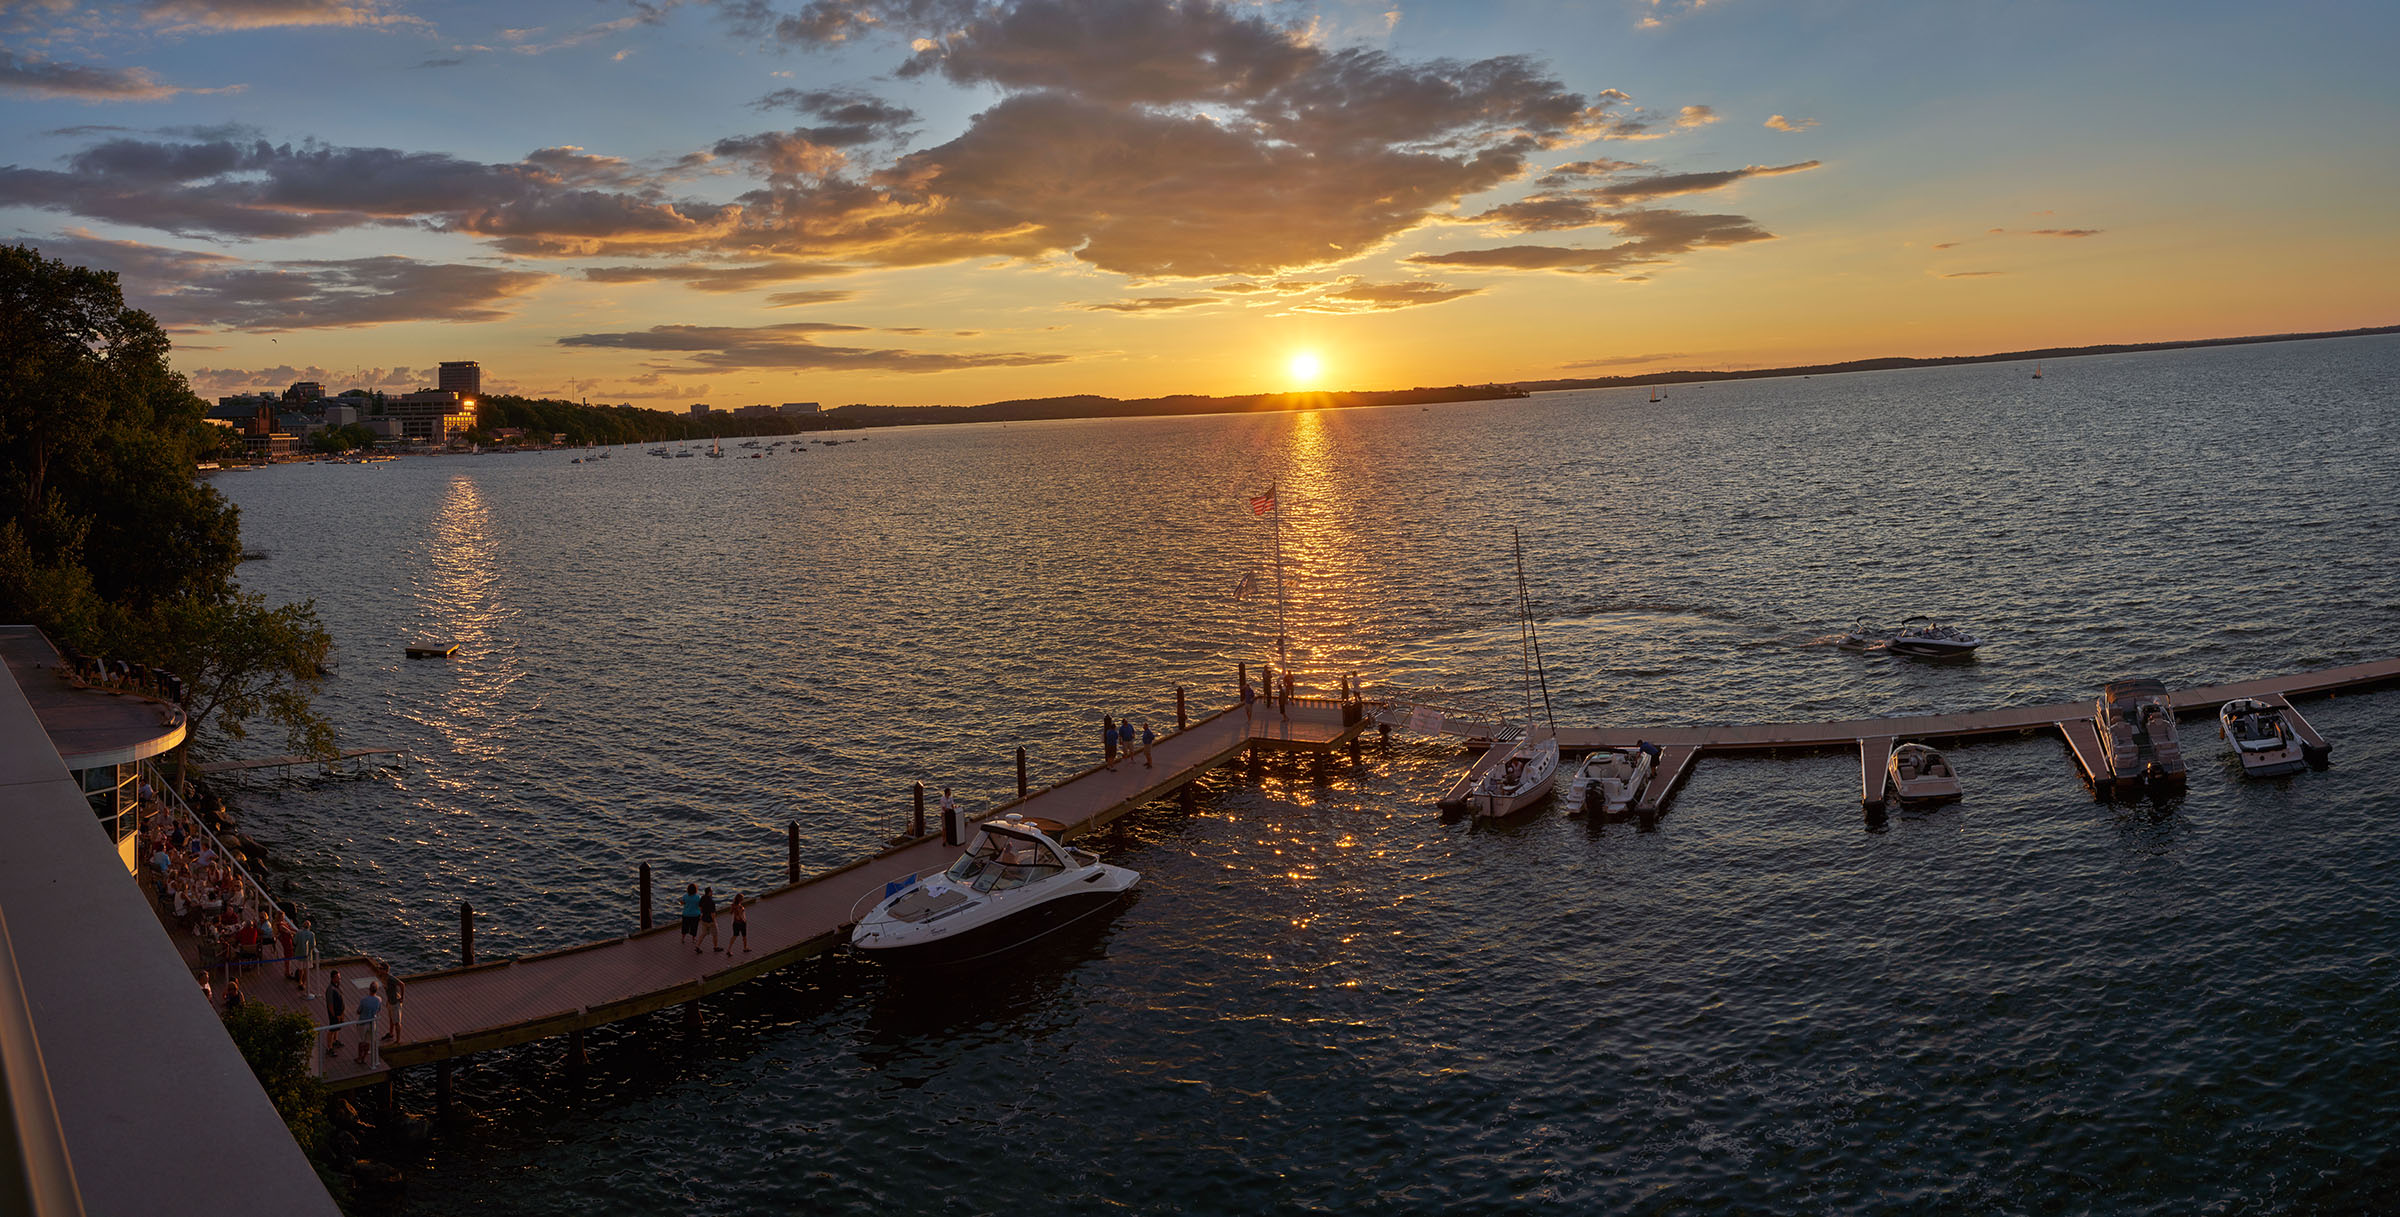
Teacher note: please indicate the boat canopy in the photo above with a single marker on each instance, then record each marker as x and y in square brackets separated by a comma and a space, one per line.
[1006, 856]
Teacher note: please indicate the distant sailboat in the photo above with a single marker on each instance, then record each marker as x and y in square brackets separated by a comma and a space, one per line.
[1654, 393]
[2037, 371]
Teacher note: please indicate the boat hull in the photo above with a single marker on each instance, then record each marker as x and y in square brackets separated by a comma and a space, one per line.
[1930, 648]
[1018, 928]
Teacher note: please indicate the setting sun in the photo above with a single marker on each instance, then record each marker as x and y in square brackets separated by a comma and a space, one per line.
[1304, 369]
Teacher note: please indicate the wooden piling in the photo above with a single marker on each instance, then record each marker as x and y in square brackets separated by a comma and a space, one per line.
[916, 824]
[691, 1017]
[791, 851]
[466, 934]
[441, 1087]
[646, 922]
[1020, 771]
[577, 1058]
[1183, 721]
[1108, 739]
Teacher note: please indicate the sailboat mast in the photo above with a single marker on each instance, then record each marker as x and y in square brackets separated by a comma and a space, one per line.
[1532, 641]
[1282, 659]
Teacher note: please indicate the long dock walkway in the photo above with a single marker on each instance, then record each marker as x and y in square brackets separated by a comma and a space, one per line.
[465, 1010]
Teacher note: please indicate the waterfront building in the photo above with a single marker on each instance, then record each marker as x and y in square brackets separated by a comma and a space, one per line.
[340, 416]
[431, 415]
[305, 390]
[699, 408]
[463, 377]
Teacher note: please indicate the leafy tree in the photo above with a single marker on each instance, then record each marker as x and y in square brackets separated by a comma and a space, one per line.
[276, 1043]
[106, 538]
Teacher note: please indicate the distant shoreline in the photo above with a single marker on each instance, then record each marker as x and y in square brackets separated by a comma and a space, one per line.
[1889, 362]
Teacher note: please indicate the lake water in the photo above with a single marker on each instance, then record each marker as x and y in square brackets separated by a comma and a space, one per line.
[1327, 996]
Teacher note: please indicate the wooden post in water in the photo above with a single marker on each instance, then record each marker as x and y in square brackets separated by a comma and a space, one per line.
[791, 852]
[1182, 722]
[466, 934]
[1386, 730]
[1108, 739]
[1020, 771]
[576, 1059]
[646, 922]
[441, 1088]
[916, 826]
[691, 1017]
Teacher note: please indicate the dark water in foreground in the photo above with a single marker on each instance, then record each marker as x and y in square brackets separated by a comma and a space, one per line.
[1325, 996]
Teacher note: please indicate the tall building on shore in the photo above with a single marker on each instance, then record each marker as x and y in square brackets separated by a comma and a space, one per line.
[463, 377]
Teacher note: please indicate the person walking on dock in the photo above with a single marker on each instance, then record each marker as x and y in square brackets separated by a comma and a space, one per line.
[741, 918]
[368, 1007]
[1147, 740]
[708, 920]
[335, 1010]
[691, 915]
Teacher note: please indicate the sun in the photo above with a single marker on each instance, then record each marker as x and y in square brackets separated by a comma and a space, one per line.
[1304, 369]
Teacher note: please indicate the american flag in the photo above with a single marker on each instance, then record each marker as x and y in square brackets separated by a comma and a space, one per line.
[1247, 586]
[1262, 504]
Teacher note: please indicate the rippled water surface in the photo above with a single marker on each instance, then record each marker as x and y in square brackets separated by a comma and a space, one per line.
[1326, 996]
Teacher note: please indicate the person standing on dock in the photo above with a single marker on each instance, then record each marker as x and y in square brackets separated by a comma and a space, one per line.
[335, 1009]
[708, 920]
[1125, 737]
[1249, 697]
[304, 945]
[1147, 740]
[368, 1007]
[691, 915]
[741, 915]
[1108, 743]
[1287, 692]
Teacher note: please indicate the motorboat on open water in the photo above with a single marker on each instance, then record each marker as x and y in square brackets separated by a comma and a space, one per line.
[2263, 739]
[1014, 884]
[1922, 777]
[2137, 729]
[1525, 778]
[1926, 638]
[1609, 781]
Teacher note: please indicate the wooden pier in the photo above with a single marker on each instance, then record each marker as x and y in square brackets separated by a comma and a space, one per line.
[477, 1007]
[474, 1008]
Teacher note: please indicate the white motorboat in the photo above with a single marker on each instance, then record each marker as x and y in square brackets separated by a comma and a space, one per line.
[2263, 739]
[1525, 778]
[2136, 720]
[1014, 884]
[1926, 638]
[1609, 781]
[1922, 777]
[1859, 638]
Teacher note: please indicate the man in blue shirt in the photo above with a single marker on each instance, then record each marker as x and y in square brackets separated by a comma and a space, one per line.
[691, 915]
[368, 1007]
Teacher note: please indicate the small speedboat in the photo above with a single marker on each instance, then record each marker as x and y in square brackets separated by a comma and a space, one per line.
[2263, 738]
[1609, 781]
[2136, 720]
[1922, 777]
[1014, 884]
[1926, 638]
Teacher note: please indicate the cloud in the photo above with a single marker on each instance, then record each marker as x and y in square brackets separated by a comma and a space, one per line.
[1619, 361]
[82, 82]
[218, 15]
[440, 63]
[1151, 304]
[1777, 122]
[814, 296]
[1948, 244]
[1601, 167]
[233, 187]
[2065, 232]
[1695, 116]
[716, 278]
[1353, 294]
[1563, 210]
[224, 382]
[1652, 235]
[185, 287]
[1973, 274]
[792, 346]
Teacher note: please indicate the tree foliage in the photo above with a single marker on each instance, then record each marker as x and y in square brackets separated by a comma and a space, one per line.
[107, 540]
[276, 1043]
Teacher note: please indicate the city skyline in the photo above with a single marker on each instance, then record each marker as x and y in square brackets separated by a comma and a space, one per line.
[940, 201]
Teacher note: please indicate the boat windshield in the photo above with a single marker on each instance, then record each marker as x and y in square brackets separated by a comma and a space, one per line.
[998, 863]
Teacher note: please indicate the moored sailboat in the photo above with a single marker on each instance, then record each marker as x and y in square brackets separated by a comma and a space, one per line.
[1531, 768]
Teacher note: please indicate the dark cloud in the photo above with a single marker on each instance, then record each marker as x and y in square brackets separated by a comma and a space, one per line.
[1619, 361]
[792, 346]
[50, 78]
[1121, 51]
[869, 116]
[209, 15]
[1356, 295]
[441, 63]
[717, 278]
[1570, 172]
[1554, 212]
[1152, 304]
[2064, 232]
[815, 296]
[184, 287]
[1690, 183]
[252, 188]
[223, 382]
[1652, 235]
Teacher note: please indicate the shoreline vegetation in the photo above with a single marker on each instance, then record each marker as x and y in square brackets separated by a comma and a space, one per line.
[1890, 362]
